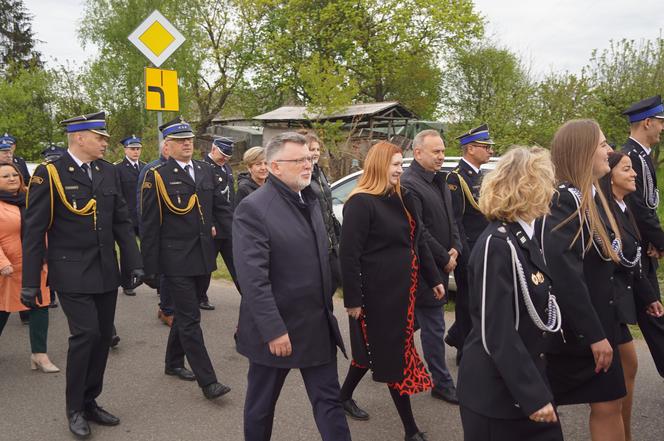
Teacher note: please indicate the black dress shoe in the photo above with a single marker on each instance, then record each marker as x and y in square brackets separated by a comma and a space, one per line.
[447, 394]
[450, 341]
[215, 390]
[78, 425]
[181, 373]
[114, 341]
[100, 416]
[352, 410]
[53, 305]
[207, 306]
[129, 292]
[419, 436]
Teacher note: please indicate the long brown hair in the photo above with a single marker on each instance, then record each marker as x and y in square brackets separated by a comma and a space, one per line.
[572, 151]
[22, 188]
[374, 180]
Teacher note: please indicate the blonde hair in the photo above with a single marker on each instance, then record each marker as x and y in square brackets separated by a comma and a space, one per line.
[521, 185]
[253, 156]
[374, 178]
[572, 151]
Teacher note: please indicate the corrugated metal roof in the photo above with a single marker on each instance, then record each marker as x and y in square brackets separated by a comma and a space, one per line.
[299, 113]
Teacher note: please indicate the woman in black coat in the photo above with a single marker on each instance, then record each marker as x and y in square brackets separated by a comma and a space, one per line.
[380, 261]
[502, 387]
[579, 241]
[632, 285]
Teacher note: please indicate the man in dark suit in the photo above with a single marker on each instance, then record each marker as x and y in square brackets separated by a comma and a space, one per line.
[74, 204]
[128, 169]
[182, 211]
[464, 184]
[286, 320]
[433, 202]
[17, 160]
[220, 153]
[646, 120]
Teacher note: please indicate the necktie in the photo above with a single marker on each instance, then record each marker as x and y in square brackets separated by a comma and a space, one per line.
[136, 167]
[189, 169]
[88, 171]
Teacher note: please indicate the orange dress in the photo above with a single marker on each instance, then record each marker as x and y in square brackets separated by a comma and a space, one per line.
[11, 254]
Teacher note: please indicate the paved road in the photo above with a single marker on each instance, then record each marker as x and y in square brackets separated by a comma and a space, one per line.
[155, 407]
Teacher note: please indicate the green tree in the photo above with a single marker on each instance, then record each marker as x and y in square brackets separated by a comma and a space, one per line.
[390, 49]
[17, 40]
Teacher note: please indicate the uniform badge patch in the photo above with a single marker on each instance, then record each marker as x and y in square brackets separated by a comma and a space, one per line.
[452, 187]
[147, 184]
[36, 180]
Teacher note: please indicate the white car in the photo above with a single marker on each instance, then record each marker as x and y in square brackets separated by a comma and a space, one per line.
[342, 188]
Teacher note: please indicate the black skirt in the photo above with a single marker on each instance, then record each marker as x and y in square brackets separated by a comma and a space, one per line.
[478, 427]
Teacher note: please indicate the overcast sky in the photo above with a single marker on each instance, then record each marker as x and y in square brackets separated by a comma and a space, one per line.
[549, 35]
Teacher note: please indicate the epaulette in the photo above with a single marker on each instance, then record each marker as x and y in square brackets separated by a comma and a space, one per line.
[51, 159]
[105, 160]
[501, 231]
[118, 162]
[155, 167]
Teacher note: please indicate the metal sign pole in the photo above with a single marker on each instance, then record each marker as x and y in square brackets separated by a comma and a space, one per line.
[159, 123]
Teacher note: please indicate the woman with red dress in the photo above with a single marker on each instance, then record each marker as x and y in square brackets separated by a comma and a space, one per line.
[381, 257]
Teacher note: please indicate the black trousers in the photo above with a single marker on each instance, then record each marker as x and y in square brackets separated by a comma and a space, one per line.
[462, 325]
[478, 427]
[652, 327]
[90, 318]
[225, 248]
[322, 384]
[186, 336]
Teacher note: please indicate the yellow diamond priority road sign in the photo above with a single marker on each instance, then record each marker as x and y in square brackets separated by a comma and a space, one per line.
[161, 89]
[156, 38]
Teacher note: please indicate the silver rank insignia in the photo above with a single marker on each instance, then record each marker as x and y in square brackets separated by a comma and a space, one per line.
[501, 229]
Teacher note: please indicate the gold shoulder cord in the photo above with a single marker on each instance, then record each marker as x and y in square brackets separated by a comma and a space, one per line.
[162, 194]
[467, 192]
[90, 208]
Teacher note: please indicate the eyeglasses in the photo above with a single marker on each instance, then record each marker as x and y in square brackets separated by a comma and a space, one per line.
[298, 161]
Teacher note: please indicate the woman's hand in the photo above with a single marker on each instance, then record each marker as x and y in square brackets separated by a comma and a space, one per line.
[7, 271]
[603, 353]
[545, 415]
[354, 312]
[439, 291]
[655, 309]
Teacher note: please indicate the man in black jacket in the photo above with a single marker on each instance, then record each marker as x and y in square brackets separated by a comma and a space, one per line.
[433, 202]
[182, 212]
[286, 320]
[464, 183]
[128, 169]
[220, 153]
[646, 120]
[75, 205]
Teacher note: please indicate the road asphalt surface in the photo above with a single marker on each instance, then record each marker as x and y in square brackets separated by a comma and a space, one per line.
[153, 406]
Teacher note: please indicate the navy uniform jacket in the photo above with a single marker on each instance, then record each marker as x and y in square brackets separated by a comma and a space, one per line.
[509, 382]
[227, 181]
[433, 203]
[81, 253]
[23, 168]
[281, 256]
[139, 185]
[646, 218]
[181, 244]
[470, 221]
[631, 282]
[128, 181]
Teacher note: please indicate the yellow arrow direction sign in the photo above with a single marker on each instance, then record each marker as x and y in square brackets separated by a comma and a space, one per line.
[156, 38]
[161, 89]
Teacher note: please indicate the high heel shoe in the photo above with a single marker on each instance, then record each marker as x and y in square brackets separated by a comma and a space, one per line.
[45, 366]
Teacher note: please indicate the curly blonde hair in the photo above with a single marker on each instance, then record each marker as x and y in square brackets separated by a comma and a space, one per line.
[520, 187]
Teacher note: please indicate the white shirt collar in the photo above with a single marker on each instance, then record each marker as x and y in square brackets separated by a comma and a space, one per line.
[76, 160]
[528, 228]
[622, 205]
[477, 170]
[131, 162]
[184, 164]
[647, 149]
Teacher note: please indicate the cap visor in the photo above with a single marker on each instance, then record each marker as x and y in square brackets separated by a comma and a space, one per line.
[485, 141]
[101, 132]
[181, 135]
